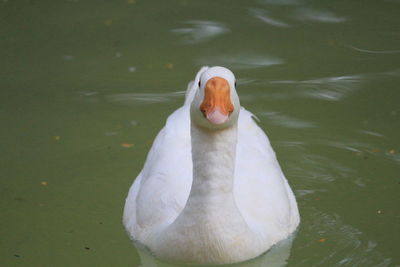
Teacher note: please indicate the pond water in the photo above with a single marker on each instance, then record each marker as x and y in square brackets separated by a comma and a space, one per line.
[86, 86]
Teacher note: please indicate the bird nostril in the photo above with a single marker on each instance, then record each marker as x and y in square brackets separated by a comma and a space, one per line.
[230, 109]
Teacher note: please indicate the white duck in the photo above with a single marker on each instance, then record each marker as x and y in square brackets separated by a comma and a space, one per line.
[211, 190]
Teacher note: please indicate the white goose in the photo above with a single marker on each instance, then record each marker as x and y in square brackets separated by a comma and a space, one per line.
[211, 190]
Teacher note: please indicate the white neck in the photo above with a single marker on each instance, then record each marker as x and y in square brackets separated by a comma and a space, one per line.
[211, 195]
[211, 201]
[213, 155]
[210, 225]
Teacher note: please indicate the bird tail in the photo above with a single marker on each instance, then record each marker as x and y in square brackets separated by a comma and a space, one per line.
[193, 86]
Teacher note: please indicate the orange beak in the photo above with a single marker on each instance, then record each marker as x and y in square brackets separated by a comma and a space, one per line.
[217, 104]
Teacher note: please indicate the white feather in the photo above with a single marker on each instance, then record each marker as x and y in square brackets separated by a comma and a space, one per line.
[266, 207]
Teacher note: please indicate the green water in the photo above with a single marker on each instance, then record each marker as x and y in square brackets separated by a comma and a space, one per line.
[86, 85]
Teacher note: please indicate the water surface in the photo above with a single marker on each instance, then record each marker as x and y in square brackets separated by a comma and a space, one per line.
[86, 86]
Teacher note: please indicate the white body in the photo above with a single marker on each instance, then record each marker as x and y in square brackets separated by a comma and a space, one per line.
[210, 197]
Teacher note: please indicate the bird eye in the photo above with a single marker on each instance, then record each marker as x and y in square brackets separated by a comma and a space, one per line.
[199, 84]
[235, 84]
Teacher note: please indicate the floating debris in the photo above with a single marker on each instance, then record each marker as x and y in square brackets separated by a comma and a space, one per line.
[169, 66]
[127, 145]
[108, 22]
[375, 150]
[44, 183]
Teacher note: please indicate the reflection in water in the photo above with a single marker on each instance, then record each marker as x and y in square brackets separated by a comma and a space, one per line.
[317, 15]
[200, 31]
[261, 15]
[277, 256]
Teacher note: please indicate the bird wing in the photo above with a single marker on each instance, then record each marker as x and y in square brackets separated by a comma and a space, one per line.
[161, 189]
[261, 191]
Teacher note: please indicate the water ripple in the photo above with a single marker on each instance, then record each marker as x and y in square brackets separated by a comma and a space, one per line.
[373, 51]
[317, 170]
[351, 248]
[352, 146]
[286, 121]
[242, 61]
[281, 2]
[328, 88]
[309, 14]
[200, 31]
[295, 144]
[145, 98]
[371, 133]
[262, 15]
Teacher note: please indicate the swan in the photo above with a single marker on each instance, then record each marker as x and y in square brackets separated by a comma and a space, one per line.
[211, 190]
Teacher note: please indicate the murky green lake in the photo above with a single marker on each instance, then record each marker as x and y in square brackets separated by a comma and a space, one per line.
[86, 85]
